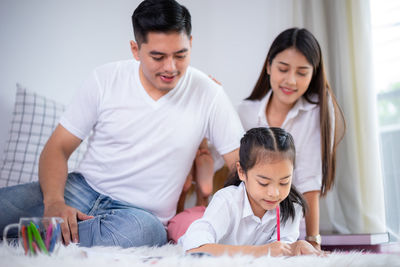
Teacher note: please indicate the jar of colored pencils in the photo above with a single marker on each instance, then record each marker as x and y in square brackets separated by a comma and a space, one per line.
[37, 234]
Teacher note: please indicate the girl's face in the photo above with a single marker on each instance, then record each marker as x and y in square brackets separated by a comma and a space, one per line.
[267, 184]
[290, 75]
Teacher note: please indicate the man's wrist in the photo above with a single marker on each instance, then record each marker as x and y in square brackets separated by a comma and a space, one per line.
[51, 201]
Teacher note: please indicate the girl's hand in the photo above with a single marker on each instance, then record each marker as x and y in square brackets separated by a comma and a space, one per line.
[302, 247]
[277, 248]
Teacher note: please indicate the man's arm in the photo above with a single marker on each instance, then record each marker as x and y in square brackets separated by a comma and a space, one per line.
[53, 172]
[231, 158]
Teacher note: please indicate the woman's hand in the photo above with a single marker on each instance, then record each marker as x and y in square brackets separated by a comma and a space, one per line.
[302, 247]
[315, 245]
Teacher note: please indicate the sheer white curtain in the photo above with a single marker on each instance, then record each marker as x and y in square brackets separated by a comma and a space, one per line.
[356, 204]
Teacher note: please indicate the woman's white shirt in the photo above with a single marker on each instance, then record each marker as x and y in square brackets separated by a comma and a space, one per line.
[303, 123]
[230, 220]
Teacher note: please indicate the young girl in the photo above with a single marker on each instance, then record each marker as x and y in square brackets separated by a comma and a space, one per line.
[242, 217]
[293, 93]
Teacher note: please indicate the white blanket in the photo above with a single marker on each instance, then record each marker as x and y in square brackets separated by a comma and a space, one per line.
[172, 255]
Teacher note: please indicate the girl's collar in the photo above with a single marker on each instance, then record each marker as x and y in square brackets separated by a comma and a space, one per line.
[248, 211]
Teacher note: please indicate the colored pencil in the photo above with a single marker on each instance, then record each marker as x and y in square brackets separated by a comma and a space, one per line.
[30, 239]
[24, 238]
[54, 237]
[278, 223]
[38, 238]
[48, 235]
[35, 247]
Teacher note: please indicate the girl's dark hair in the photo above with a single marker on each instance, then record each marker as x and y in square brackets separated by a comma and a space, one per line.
[267, 145]
[160, 16]
[304, 42]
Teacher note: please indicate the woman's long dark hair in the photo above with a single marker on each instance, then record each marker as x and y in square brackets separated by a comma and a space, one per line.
[269, 144]
[304, 42]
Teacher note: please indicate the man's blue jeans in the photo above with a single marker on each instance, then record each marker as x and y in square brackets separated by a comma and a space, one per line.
[115, 223]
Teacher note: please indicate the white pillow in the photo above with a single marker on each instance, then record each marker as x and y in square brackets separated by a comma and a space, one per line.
[34, 119]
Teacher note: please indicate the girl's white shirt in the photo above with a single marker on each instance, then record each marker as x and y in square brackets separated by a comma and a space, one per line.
[230, 220]
[303, 123]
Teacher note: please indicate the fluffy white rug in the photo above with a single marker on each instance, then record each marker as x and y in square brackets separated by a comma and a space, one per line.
[172, 255]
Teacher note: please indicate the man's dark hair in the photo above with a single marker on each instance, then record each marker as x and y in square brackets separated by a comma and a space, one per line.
[160, 16]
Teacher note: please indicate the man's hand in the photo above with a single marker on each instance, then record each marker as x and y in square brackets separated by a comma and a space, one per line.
[70, 215]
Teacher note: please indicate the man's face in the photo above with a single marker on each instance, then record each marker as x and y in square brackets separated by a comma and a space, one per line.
[164, 59]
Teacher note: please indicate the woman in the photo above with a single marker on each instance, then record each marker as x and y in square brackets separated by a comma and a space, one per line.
[292, 92]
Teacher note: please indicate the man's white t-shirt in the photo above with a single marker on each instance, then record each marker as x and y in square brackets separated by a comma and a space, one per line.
[141, 150]
[229, 220]
[302, 122]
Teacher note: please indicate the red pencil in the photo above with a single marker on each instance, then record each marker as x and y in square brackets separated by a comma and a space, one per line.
[35, 247]
[278, 224]
[24, 239]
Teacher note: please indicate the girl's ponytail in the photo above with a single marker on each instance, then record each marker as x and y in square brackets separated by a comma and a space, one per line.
[287, 207]
[233, 179]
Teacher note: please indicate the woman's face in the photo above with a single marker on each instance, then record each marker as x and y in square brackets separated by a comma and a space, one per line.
[290, 75]
[267, 184]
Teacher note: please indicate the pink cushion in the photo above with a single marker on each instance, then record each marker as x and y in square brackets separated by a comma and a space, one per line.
[178, 225]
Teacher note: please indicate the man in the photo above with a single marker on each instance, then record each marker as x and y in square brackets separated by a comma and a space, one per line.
[145, 120]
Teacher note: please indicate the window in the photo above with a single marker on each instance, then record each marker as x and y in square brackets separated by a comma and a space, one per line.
[385, 22]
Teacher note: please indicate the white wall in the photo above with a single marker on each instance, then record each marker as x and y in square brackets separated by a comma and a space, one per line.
[50, 46]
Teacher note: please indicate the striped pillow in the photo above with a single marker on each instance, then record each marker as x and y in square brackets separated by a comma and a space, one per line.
[34, 119]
